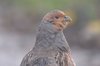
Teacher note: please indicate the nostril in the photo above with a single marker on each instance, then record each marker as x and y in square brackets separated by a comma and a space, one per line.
[65, 17]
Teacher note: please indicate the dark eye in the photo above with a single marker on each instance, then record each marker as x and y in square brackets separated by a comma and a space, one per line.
[56, 17]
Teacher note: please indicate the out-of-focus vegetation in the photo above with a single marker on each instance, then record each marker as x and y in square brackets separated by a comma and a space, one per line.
[20, 18]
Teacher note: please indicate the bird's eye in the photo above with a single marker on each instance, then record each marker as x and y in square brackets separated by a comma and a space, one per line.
[56, 17]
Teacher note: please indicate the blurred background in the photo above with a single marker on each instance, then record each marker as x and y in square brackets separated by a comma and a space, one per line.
[19, 20]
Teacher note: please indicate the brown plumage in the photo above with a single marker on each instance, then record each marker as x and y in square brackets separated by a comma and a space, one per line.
[51, 47]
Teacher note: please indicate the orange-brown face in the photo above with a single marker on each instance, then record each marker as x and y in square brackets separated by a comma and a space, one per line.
[58, 19]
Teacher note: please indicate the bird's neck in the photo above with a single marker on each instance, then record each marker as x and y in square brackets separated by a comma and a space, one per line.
[45, 39]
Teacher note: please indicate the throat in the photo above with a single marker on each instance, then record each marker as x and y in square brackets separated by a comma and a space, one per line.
[45, 39]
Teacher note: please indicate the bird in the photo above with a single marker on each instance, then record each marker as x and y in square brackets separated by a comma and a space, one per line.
[51, 47]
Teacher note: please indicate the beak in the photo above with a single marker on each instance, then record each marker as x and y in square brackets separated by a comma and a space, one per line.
[67, 19]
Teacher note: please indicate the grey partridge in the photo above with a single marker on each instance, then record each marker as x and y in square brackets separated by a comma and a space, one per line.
[51, 47]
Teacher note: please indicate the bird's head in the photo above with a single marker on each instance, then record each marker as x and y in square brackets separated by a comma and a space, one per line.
[56, 20]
